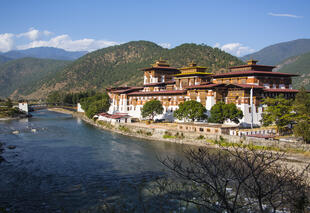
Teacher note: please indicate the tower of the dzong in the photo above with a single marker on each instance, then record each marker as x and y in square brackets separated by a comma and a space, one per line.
[192, 75]
[159, 72]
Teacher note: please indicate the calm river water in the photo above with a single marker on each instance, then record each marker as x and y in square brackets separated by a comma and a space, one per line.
[67, 165]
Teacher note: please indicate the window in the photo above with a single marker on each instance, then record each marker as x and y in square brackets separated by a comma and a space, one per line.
[250, 110]
[201, 129]
[208, 130]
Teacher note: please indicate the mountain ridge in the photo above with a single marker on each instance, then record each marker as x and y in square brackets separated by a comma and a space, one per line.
[120, 65]
[277, 53]
[44, 53]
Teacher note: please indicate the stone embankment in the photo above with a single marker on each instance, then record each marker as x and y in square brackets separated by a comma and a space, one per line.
[296, 151]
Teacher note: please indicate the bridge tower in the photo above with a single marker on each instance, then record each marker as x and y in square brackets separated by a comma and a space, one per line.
[23, 106]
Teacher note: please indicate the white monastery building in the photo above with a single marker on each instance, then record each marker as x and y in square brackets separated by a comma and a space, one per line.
[245, 85]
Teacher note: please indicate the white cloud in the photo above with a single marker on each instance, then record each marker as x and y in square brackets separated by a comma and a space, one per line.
[284, 15]
[34, 34]
[165, 45]
[236, 49]
[65, 42]
[6, 42]
[218, 45]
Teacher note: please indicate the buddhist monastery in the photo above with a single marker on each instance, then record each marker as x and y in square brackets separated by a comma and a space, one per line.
[246, 86]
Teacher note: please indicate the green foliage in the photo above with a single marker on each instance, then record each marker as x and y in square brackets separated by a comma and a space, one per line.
[298, 65]
[121, 64]
[278, 112]
[151, 109]
[62, 98]
[9, 103]
[124, 129]
[10, 112]
[24, 76]
[221, 112]
[302, 109]
[191, 110]
[200, 137]
[93, 105]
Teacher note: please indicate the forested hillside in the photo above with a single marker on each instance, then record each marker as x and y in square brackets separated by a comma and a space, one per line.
[121, 64]
[21, 76]
[298, 65]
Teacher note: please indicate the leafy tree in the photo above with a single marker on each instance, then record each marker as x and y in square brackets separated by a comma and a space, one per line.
[221, 112]
[95, 104]
[302, 109]
[151, 109]
[9, 103]
[279, 111]
[191, 110]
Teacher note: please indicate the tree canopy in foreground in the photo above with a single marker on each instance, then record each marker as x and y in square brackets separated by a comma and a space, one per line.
[221, 112]
[152, 108]
[191, 110]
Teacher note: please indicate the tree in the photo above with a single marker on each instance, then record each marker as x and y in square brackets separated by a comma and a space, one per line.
[279, 111]
[236, 180]
[221, 112]
[191, 110]
[151, 109]
[302, 109]
[9, 103]
[95, 104]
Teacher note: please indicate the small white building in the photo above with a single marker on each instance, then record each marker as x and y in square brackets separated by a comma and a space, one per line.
[23, 106]
[115, 118]
[79, 108]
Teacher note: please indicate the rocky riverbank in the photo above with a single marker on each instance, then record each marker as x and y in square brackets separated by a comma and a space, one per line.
[163, 132]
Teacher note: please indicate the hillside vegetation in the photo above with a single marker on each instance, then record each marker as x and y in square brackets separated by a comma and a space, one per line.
[120, 65]
[275, 54]
[298, 65]
[21, 76]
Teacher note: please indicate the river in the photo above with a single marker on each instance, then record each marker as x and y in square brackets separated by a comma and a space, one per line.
[62, 164]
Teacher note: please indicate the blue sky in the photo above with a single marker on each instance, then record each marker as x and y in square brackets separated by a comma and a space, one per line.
[236, 26]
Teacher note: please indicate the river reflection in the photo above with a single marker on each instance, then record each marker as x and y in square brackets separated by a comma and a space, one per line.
[62, 164]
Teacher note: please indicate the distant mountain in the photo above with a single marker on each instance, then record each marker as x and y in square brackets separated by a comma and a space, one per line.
[298, 65]
[121, 64]
[21, 76]
[277, 53]
[45, 52]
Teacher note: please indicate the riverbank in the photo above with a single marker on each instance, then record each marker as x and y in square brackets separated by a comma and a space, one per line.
[295, 152]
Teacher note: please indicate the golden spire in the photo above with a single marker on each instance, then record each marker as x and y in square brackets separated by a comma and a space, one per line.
[252, 62]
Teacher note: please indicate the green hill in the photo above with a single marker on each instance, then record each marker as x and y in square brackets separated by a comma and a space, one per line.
[275, 54]
[3, 59]
[19, 77]
[298, 65]
[121, 64]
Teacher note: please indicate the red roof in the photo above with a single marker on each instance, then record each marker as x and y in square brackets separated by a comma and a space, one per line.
[124, 90]
[160, 68]
[222, 84]
[159, 83]
[201, 86]
[251, 72]
[252, 65]
[281, 90]
[172, 92]
[114, 116]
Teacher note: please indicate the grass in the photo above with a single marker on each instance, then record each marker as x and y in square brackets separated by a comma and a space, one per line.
[124, 129]
[105, 124]
[168, 135]
[224, 143]
[142, 132]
